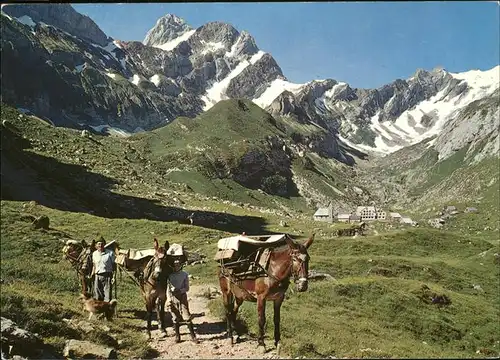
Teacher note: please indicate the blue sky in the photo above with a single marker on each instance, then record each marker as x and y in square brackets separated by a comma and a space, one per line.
[366, 44]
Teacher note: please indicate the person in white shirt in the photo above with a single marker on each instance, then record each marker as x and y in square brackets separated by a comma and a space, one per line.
[178, 286]
[103, 267]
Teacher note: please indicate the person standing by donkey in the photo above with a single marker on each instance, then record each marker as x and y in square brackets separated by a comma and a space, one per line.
[103, 269]
[178, 301]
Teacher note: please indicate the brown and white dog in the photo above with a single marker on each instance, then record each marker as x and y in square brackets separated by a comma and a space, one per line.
[95, 307]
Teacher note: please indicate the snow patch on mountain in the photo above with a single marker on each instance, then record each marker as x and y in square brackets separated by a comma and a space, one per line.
[172, 44]
[385, 136]
[135, 79]
[321, 105]
[26, 20]
[275, 89]
[155, 79]
[111, 75]
[110, 48]
[212, 46]
[234, 48]
[360, 147]
[217, 92]
[79, 68]
[478, 79]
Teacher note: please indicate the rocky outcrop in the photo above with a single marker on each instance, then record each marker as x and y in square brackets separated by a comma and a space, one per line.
[476, 126]
[252, 80]
[287, 105]
[214, 32]
[244, 45]
[22, 343]
[268, 170]
[62, 16]
[167, 28]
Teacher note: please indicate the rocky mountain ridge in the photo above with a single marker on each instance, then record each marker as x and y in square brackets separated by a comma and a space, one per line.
[181, 71]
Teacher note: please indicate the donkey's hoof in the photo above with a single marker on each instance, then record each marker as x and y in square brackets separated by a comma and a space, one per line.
[278, 348]
[261, 349]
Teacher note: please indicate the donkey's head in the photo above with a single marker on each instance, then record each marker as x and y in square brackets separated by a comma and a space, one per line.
[160, 263]
[72, 249]
[300, 262]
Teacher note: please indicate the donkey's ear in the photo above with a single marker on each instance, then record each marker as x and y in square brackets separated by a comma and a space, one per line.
[167, 245]
[84, 243]
[156, 243]
[290, 242]
[309, 241]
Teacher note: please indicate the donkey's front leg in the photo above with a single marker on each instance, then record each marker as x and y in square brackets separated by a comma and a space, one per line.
[237, 304]
[228, 299]
[261, 310]
[148, 317]
[277, 312]
[160, 313]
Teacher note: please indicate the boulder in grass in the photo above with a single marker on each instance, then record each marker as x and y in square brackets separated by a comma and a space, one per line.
[20, 343]
[88, 350]
[41, 222]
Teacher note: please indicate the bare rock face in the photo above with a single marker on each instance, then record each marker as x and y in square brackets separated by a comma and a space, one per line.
[476, 123]
[252, 80]
[244, 45]
[286, 104]
[62, 16]
[215, 32]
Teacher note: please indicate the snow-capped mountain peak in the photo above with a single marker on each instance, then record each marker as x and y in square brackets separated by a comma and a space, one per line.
[168, 28]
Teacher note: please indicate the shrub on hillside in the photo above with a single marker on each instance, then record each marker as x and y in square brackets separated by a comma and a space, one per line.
[275, 185]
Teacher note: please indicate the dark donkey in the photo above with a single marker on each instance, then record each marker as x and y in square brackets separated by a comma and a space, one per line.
[286, 261]
[154, 285]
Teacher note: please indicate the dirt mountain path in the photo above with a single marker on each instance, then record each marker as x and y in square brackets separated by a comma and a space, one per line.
[211, 333]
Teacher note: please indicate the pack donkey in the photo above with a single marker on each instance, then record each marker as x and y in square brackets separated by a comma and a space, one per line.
[285, 261]
[154, 285]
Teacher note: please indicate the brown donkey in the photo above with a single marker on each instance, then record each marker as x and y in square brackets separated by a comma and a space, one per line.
[154, 286]
[79, 255]
[289, 260]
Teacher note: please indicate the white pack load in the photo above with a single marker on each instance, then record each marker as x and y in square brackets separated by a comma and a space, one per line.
[175, 250]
